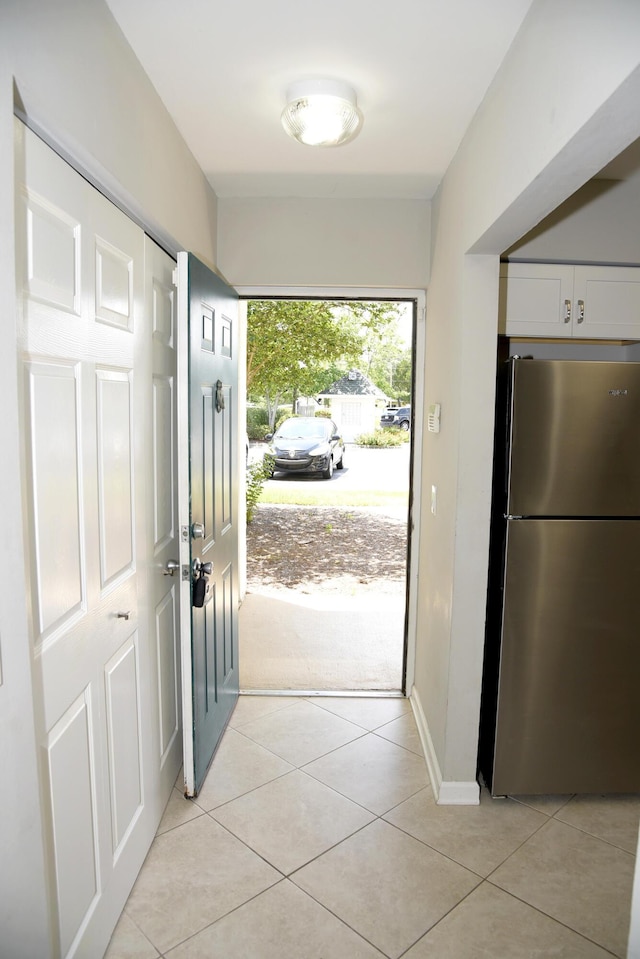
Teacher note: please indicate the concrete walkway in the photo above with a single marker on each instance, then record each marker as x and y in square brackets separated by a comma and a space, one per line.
[341, 636]
[325, 641]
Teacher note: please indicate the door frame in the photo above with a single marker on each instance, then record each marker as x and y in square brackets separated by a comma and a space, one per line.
[181, 282]
[415, 494]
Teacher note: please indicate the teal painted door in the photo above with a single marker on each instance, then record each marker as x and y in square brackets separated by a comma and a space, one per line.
[210, 537]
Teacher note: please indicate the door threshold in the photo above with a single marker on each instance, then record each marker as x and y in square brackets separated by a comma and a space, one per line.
[347, 693]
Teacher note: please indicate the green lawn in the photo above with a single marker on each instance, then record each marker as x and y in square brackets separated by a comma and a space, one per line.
[321, 493]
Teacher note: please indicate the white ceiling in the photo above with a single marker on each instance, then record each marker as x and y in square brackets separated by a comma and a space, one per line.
[420, 69]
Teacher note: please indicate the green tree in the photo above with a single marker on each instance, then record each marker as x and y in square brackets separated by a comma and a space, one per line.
[290, 344]
[391, 368]
[385, 357]
[376, 325]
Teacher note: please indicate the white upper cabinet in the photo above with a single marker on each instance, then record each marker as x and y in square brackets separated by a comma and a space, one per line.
[556, 300]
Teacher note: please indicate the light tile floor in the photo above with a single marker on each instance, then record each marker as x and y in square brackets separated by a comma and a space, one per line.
[316, 836]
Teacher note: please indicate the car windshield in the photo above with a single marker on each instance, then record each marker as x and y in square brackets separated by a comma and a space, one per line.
[297, 429]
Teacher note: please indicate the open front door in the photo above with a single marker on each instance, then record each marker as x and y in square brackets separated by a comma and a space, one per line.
[208, 494]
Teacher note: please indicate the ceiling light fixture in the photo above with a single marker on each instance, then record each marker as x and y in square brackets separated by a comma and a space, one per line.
[321, 113]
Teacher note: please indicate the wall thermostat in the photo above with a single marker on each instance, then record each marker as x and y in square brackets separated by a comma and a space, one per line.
[433, 419]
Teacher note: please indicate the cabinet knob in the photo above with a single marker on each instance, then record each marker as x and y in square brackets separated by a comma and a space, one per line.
[567, 311]
[580, 311]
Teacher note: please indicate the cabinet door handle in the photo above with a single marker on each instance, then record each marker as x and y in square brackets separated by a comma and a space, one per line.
[567, 311]
[580, 311]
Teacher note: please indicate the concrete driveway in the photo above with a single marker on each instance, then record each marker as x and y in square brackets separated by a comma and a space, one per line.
[364, 469]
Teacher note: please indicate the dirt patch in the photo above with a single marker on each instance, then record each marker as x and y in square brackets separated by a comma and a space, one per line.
[323, 548]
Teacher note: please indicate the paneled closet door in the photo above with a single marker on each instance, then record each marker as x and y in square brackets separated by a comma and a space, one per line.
[85, 383]
[159, 500]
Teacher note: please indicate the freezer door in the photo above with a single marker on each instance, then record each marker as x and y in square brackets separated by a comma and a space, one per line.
[568, 716]
[574, 439]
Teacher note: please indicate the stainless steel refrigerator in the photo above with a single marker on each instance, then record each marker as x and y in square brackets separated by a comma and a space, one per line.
[561, 698]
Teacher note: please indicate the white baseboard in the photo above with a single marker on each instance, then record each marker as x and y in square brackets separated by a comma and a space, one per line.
[446, 793]
[459, 794]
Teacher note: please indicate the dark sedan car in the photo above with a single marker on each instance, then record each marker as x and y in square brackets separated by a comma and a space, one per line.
[307, 444]
[400, 417]
[387, 417]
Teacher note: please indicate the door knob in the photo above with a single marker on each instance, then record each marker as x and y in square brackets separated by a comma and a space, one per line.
[171, 567]
[197, 531]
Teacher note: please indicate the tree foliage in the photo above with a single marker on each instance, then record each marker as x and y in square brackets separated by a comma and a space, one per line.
[384, 357]
[289, 345]
[287, 340]
[391, 368]
[297, 347]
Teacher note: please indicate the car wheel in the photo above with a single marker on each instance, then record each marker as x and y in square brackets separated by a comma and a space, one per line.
[328, 473]
[404, 425]
[340, 465]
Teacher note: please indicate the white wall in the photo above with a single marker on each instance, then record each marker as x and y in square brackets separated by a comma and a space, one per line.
[76, 79]
[23, 910]
[79, 81]
[541, 132]
[598, 224]
[544, 128]
[297, 242]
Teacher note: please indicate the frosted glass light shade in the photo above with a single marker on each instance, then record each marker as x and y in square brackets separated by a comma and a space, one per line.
[321, 113]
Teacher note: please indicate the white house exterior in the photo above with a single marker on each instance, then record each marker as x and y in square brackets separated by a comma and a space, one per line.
[355, 404]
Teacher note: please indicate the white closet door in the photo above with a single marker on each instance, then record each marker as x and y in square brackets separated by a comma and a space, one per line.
[86, 383]
[159, 498]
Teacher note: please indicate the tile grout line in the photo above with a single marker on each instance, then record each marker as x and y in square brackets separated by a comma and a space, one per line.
[283, 877]
[361, 804]
[548, 817]
[306, 762]
[437, 923]
[301, 768]
[333, 749]
[560, 822]
[554, 919]
[240, 905]
[141, 931]
[380, 817]
[585, 832]
[288, 875]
